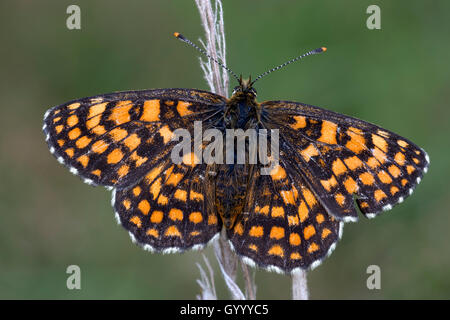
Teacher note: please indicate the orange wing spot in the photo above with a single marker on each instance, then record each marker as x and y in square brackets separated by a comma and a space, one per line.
[93, 122]
[136, 220]
[153, 232]
[195, 233]
[367, 178]
[176, 214]
[276, 233]
[329, 184]
[380, 142]
[276, 250]
[99, 130]
[288, 197]
[114, 156]
[256, 231]
[417, 152]
[156, 216]
[169, 102]
[238, 228]
[308, 152]
[357, 142]
[372, 162]
[293, 220]
[340, 199]
[410, 169]
[309, 231]
[399, 158]
[153, 174]
[56, 112]
[97, 109]
[56, 119]
[174, 179]
[277, 212]
[325, 233]
[320, 218]
[132, 142]
[394, 171]
[74, 106]
[384, 177]
[212, 219]
[253, 247]
[118, 134]
[379, 195]
[144, 207]
[404, 182]
[402, 143]
[74, 133]
[155, 188]
[264, 210]
[364, 205]
[328, 132]
[309, 197]
[338, 167]
[394, 190]
[137, 191]
[353, 163]
[99, 146]
[59, 128]
[278, 173]
[97, 172]
[180, 195]
[191, 159]
[166, 134]
[72, 120]
[151, 111]
[350, 185]
[303, 211]
[295, 256]
[172, 231]
[61, 142]
[163, 200]
[195, 196]
[379, 155]
[182, 108]
[83, 142]
[69, 152]
[120, 113]
[138, 160]
[196, 217]
[123, 171]
[127, 204]
[294, 239]
[300, 122]
[416, 161]
[313, 247]
[84, 160]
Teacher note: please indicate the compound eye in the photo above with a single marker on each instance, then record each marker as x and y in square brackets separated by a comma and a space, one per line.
[236, 89]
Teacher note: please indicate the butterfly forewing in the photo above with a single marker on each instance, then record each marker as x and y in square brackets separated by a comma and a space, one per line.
[115, 139]
[341, 157]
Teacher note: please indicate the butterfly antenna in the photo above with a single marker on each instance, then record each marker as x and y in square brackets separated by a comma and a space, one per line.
[318, 50]
[189, 42]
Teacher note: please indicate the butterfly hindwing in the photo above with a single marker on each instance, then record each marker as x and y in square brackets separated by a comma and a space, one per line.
[341, 157]
[114, 139]
[285, 228]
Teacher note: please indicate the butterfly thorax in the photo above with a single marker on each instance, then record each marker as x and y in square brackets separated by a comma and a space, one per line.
[242, 112]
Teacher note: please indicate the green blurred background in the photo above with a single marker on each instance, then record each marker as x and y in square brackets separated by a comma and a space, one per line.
[397, 77]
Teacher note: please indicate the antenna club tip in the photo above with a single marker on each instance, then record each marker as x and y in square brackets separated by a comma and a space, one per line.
[323, 49]
[178, 35]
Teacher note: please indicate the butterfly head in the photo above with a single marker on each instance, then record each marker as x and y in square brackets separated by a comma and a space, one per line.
[244, 89]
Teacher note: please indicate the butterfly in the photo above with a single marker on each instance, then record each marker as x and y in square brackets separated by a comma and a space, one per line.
[287, 220]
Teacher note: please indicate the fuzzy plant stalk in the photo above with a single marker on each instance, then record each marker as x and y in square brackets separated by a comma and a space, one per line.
[217, 79]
